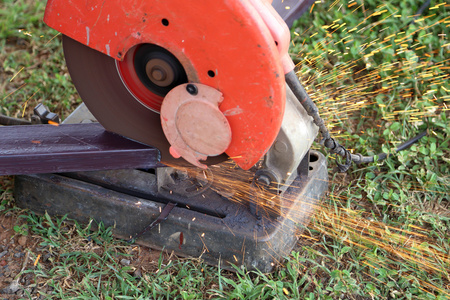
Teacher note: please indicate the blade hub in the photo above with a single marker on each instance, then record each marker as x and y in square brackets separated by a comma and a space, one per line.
[158, 69]
[149, 72]
[160, 72]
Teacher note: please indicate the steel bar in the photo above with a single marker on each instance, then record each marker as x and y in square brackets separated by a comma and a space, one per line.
[68, 148]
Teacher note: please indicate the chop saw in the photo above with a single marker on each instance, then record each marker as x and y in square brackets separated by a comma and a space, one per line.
[195, 84]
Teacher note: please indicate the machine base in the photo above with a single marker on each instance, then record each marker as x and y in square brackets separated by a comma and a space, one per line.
[205, 225]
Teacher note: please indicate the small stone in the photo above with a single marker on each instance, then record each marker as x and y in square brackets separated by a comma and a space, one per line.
[3, 263]
[138, 273]
[22, 240]
[46, 256]
[3, 253]
[125, 262]
[12, 288]
[18, 254]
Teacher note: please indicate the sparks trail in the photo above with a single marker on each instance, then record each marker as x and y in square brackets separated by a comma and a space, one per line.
[346, 91]
[407, 246]
[356, 92]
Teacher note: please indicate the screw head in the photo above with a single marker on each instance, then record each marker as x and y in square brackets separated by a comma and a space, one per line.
[192, 89]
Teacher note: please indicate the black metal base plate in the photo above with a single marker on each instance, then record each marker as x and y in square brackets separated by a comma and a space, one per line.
[206, 225]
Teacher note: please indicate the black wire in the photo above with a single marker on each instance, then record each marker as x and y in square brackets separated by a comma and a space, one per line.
[404, 146]
[330, 143]
[410, 142]
[420, 11]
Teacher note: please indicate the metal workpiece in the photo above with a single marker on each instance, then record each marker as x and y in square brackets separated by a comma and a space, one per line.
[206, 225]
[70, 147]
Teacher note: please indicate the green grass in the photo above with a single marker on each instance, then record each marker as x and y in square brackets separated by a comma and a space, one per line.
[32, 62]
[383, 230]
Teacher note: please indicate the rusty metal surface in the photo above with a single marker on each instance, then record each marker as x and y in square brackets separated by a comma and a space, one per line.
[67, 148]
[210, 226]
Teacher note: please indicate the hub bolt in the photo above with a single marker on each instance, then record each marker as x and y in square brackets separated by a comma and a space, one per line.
[158, 74]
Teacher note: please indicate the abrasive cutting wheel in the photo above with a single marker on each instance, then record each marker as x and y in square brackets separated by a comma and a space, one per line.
[122, 95]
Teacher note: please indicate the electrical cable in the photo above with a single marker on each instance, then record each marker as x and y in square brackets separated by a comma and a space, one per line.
[329, 142]
[420, 11]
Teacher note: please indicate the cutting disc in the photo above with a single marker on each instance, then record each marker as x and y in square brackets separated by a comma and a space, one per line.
[97, 79]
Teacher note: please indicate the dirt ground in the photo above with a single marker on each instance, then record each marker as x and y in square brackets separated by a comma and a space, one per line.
[18, 253]
[13, 258]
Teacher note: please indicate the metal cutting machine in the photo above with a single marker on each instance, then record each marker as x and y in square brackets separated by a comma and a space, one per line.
[192, 100]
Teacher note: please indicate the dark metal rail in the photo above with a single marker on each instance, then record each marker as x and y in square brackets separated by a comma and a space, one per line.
[68, 148]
